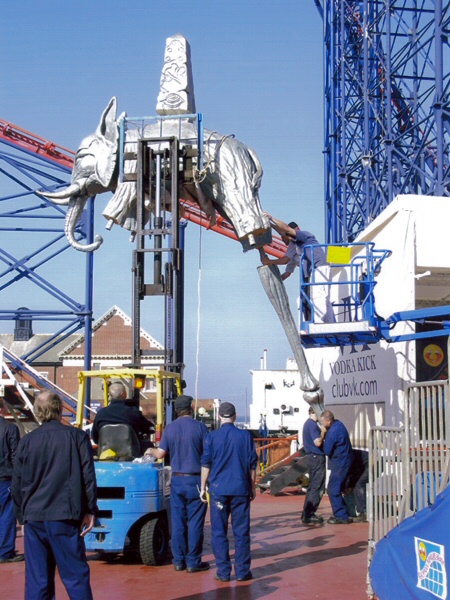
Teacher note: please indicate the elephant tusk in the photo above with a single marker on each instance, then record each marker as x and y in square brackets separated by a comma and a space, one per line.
[64, 195]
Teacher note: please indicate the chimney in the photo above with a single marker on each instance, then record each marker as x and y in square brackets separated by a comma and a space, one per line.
[23, 330]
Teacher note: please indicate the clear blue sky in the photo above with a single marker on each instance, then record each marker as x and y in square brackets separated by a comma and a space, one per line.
[258, 73]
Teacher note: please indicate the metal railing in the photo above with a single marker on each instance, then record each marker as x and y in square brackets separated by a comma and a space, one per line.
[408, 466]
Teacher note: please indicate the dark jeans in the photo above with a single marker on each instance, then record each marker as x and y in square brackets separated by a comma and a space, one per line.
[221, 508]
[55, 543]
[188, 518]
[317, 471]
[360, 491]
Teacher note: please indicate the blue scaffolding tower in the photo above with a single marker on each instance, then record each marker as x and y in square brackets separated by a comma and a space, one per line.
[387, 114]
[33, 240]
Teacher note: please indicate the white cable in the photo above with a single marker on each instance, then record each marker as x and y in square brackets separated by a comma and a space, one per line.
[197, 360]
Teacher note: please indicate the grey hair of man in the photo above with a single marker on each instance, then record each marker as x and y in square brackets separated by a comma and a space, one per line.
[231, 419]
[117, 391]
[48, 407]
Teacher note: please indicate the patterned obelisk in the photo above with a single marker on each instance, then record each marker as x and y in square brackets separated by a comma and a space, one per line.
[176, 94]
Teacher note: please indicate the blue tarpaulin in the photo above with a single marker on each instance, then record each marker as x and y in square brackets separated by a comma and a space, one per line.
[412, 561]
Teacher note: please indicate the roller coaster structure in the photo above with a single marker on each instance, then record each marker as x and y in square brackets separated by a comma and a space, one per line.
[27, 163]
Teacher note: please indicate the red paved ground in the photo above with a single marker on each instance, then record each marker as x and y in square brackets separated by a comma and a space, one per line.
[290, 561]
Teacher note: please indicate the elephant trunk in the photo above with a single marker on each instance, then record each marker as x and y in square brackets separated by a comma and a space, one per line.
[73, 215]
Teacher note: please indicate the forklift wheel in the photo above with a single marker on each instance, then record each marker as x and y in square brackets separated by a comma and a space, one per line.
[154, 541]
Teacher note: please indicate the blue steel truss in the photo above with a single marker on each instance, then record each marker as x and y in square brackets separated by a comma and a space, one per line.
[33, 238]
[387, 113]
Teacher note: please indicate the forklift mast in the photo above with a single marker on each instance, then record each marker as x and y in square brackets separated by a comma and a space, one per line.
[158, 258]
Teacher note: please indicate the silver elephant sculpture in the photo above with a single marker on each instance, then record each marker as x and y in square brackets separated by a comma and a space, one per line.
[228, 183]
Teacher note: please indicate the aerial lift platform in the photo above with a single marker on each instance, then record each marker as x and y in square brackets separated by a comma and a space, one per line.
[18, 383]
[358, 322]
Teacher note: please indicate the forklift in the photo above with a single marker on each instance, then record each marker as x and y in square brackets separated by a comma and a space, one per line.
[133, 492]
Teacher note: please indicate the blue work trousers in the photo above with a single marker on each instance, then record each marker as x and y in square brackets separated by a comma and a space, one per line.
[55, 543]
[221, 507]
[317, 471]
[188, 514]
[336, 486]
[7, 522]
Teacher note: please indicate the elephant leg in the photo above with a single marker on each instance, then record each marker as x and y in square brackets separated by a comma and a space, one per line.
[195, 194]
[121, 209]
[275, 290]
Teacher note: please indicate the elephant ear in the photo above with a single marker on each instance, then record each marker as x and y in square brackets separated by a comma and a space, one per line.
[108, 135]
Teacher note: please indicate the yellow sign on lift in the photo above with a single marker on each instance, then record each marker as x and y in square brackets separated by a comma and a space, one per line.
[339, 255]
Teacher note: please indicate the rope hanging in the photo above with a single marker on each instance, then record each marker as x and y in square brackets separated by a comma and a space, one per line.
[197, 358]
[200, 174]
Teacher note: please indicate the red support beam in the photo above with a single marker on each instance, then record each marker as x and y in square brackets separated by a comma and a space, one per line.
[33, 143]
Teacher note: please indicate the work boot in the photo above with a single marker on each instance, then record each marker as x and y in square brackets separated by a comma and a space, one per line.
[361, 518]
[312, 520]
[337, 521]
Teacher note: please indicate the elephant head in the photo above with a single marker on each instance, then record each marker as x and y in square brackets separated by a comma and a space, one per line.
[94, 172]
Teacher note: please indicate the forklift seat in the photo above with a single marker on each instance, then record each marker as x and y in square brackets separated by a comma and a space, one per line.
[121, 439]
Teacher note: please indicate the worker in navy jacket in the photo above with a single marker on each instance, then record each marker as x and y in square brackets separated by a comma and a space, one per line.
[55, 495]
[9, 440]
[313, 438]
[338, 448]
[229, 468]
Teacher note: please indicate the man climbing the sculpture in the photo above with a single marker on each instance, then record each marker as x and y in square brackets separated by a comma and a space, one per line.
[299, 244]
[291, 257]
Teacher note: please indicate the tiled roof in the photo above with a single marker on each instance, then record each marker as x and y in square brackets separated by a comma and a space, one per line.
[103, 349]
[78, 340]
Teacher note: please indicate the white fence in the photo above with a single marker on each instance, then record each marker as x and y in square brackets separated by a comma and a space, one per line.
[408, 465]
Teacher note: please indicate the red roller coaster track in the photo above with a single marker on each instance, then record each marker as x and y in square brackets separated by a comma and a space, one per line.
[25, 140]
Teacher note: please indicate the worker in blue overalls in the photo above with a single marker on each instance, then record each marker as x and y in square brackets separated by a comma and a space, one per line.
[9, 440]
[229, 468]
[183, 439]
[338, 448]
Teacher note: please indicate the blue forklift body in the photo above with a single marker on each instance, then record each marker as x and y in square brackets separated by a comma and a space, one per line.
[130, 494]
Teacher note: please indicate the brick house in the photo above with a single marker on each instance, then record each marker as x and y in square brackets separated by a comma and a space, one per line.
[111, 349]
